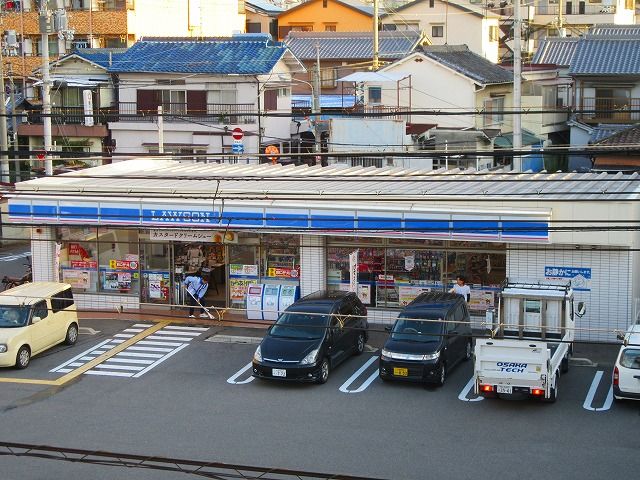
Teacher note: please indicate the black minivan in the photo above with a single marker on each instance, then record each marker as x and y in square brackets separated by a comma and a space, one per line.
[311, 337]
[430, 336]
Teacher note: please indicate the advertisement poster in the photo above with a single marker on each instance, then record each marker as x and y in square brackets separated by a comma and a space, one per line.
[409, 262]
[123, 264]
[117, 281]
[353, 270]
[240, 270]
[364, 291]
[76, 278]
[481, 300]
[409, 294]
[155, 285]
[283, 272]
[84, 264]
[579, 277]
[238, 289]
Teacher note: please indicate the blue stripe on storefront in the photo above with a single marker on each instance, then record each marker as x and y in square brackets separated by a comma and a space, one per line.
[45, 211]
[287, 220]
[475, 227]
[333, 222]
[89, 214]
[426, 226]
[525, 229]
[19, 210]
[242, 219]
[110, 214]
[159, 216]
[380, 223]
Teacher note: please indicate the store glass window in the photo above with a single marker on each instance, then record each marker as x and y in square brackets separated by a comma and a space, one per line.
[155, 266]
[409, 273]
[244, 268]
[370, 269]
[118, 261]
[280, 259]
[79, 258]
[206, 259]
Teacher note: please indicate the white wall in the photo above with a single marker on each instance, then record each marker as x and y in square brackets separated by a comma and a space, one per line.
[610, 299]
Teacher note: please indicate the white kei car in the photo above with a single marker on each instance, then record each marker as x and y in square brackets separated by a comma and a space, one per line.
[626, 372]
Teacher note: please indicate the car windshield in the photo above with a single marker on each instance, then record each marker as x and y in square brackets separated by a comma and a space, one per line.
[12, 316]
[630, 358]
[425, 331]
[307, 325]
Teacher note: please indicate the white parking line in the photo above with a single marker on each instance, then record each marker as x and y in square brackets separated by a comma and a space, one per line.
[93, 349]
[160, 344]
[465, 391]
[129, 360]
[233, 378]
[155, 364]
[345, 386]
[588, 401]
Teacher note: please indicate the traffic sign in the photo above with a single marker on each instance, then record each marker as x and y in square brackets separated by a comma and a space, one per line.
[237, 148]
[237, 133]
[272, 150]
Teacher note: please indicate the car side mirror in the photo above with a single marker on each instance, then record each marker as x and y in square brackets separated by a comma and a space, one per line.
[387, 328]
[35, 319]
[620, 336]
[582, 309]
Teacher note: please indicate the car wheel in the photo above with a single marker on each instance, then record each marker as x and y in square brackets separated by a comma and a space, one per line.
[72, 334]
[324, 371]
[468, 352]
[360, 342]
[442, 375]
[564, 364]
[23, 357]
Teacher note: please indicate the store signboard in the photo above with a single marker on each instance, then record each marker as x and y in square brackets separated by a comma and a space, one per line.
[239, 270]
[204, 236]
[123, 264]
[76, 278]
[83, 264]
[580, 277]
[353, 270]
[407, 295]
[283, 272]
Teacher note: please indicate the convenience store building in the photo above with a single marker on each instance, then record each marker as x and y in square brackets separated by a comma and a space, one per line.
[126, 234]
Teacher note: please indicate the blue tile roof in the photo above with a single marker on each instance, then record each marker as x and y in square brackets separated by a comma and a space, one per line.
[606, 55]
[556, 51]
[265, 6]
[241, 54]
[100, 56]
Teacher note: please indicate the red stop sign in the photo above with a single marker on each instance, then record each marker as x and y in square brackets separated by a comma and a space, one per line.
[237, 133]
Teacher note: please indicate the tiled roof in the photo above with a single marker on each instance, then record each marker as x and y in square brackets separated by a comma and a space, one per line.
[629, 136]
[606, 55]
[556, 51]
[265, 6]
[100, 56]
[612, 29]
[351, 45]
[241, 54]
[605, 130]
[479, 11]
[468, 63]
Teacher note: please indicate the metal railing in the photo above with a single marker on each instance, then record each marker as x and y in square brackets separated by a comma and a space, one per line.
[216, 113]
[610, 110]
[73, 116]
[575, 8]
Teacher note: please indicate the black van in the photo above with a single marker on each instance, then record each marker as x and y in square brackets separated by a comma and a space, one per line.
[312, 337]
[430, 336]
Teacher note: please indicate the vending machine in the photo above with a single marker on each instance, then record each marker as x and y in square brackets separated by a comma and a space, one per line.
[254, 302]
[270, 296]
[288, 295]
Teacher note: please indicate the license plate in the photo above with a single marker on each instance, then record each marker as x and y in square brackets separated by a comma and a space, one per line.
[400, 372]
[278, 372]
[504, 389]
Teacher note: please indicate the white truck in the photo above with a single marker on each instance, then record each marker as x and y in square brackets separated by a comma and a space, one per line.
[532, 335]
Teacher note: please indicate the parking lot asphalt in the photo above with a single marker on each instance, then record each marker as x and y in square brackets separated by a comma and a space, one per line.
[197, 400]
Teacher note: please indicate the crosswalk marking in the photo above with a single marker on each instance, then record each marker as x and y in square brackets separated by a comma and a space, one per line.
[137, 359]
[15, 256]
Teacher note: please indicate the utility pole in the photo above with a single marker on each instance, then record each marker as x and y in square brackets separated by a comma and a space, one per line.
[160, 130]
[561, 31]
[4, 159]
[376, 41]
[315, 110]
[53, 19]
[517, 86]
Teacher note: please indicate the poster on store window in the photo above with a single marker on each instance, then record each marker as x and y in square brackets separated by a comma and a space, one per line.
[238, 289]
[76, 278]
[409, 262]
[155, 285]
[409, 294]
[117, 281]
[481, 300]
[364, 291]
[239, 270]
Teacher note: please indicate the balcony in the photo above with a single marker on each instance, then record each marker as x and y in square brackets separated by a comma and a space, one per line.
[609, 110]
[386, 111]
[216, 113]
[575, 8]
[72, 116]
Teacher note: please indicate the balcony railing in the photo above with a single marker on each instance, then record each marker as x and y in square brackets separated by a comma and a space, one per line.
[73, 116]
[609, 110]
[575, 8]
[216, 113]
[74, 5]
[397, 113]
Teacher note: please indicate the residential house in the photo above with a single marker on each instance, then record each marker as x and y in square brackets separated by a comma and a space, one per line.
[262, 17]
[72, 128]
[113, 24]
[342, 53]
[326, 16]
[626, 157]
[206, 89]
[448, 22]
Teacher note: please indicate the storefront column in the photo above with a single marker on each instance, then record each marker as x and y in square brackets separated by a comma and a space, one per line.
[43, 254]
[313, 264]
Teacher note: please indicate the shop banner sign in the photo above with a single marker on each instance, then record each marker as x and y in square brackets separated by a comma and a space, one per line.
[84, 264]
[283, 272]
[239, 270]
[205, 236]
[580, 277]
[123, 265]
[76, 278]
[353, 270]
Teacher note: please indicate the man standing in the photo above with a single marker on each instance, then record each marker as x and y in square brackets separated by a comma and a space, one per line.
[461, 288]
[196, 289]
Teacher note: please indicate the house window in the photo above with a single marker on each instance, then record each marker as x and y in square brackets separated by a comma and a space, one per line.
[375, 94]
[174, 101]
[302, 28]
[330, 27]
[67, 97]
[432, 3]
[222, 94]
[493, 108]
[389, 27]
[437, 31]
[493, 33]
[284, 92]
[328, 77]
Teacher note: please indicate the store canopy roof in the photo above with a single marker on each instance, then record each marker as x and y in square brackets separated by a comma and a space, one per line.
[160, 178]
[374, 77]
